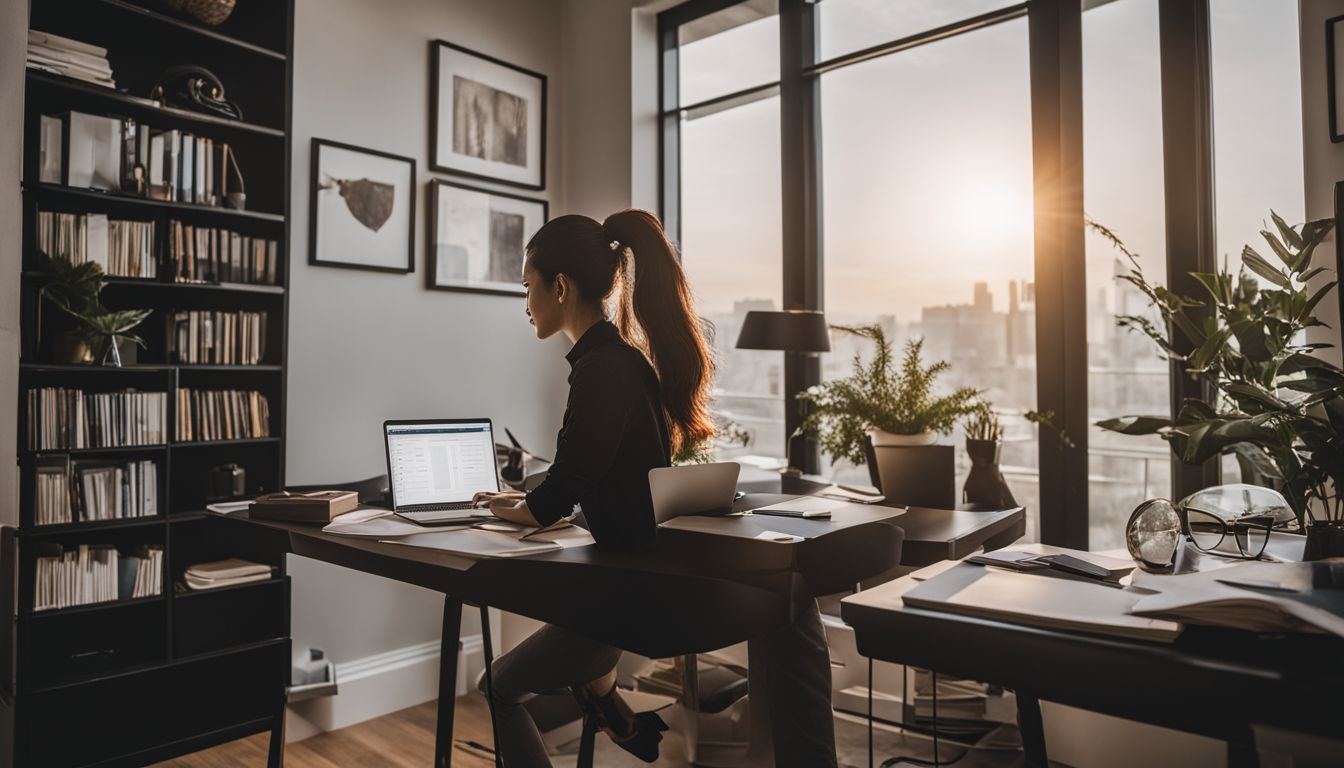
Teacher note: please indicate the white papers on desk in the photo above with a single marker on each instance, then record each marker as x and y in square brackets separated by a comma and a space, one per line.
[477, 543]
[372, 523]
[228, 507]
[1259, 597]
[783, 538]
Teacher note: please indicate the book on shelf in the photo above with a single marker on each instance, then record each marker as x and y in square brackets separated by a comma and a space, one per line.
[225, 573]
[229, 414]
[216, 337]
[70, 58]
[123, 248]
[60, 418]
[85, 574]
[216, 255]
[52, 491]
[116, 490]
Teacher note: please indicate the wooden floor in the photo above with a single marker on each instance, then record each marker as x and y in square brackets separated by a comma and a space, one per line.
[402, 739]
[405, 739]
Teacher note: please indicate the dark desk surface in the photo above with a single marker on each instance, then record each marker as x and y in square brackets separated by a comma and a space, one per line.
[1212, 682]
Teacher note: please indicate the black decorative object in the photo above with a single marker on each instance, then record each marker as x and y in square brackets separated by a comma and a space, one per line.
[227, 481]
[476, 238]
[1325, 538]
[1334, 39]
[487, 117]
[363, 208]
[793, 330]
[985, 483]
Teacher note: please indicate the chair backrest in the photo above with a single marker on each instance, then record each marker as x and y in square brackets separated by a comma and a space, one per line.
[915, 475]
[371, 490]
[693, 489]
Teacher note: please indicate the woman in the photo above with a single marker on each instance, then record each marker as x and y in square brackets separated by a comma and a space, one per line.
[639, 391]
[630, 408]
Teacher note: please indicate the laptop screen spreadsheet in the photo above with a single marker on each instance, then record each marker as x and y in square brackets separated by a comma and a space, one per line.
[439, 463]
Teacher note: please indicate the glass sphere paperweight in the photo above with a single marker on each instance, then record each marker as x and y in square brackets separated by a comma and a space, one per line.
[1153, 535]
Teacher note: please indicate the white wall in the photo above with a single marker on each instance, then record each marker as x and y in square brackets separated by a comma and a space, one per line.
[13, 45]
[368, 346]
[1323, 160]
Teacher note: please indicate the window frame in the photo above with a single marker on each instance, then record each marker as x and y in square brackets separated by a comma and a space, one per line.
[1055, 55]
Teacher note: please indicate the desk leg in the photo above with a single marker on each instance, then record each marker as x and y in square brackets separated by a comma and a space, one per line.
[452, 630]
[489, 653]
[276, 756]
[1032, 728]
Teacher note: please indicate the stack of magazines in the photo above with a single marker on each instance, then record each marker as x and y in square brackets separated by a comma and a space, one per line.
[70, 58]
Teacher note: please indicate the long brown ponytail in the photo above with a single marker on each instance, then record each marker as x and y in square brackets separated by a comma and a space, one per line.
[655, 311]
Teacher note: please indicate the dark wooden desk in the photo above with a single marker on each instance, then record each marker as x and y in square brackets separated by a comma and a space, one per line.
[1211, 682]
[700, 591]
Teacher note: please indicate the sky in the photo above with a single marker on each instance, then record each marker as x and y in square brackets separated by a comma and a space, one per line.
[926, 183]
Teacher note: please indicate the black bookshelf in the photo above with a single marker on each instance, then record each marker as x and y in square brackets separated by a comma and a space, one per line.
[138, 680]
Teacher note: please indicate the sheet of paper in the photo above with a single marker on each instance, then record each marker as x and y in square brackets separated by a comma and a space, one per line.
[801, 504]
[372, 524]
[228, 507]
[783, 538]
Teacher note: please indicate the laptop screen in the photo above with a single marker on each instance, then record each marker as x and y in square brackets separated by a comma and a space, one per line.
[440, 463]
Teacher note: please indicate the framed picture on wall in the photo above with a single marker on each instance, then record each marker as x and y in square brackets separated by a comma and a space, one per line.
[487, 118]
[1339, 258]
[1334, 77]
[476, 238]
[362, 209]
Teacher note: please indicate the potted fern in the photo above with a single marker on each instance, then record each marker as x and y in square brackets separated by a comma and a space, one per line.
[885, 404]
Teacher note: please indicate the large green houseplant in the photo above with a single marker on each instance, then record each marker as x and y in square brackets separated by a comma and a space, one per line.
[1280, 407]
[883, 401]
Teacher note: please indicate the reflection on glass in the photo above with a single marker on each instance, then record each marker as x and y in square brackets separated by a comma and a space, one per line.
[1153, 535]
[927, 190]
[1123, 190]
[728, 51]
[731, 251]
[845, 26]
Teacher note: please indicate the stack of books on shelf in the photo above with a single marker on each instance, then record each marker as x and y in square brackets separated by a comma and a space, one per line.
[225, 573]
[117, 490]
[216, 338]
[95, 573]
[122, 155]
[70, 58]
[210, 254]
[121, 248]
[52, 493]
[60, 418]
[229, 414]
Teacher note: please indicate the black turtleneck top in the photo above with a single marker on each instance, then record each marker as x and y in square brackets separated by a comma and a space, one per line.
[614, 432]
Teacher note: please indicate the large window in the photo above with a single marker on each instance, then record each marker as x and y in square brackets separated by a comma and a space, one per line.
[927, 213]
[1122, 190]
[907, 156]
[730, 207]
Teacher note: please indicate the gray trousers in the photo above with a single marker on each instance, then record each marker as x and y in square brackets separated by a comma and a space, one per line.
[790, 676]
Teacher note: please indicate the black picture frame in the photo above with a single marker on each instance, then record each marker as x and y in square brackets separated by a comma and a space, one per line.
[1332, 78]
[1339, 260]
[436, 48]
[432, 229]
[314, 173]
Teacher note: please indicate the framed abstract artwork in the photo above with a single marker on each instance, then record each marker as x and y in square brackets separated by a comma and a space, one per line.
[362, 209]
[487, 118]
[476, 238]
[1334, 77]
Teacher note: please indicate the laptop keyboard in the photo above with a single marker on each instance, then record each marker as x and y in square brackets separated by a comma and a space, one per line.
[447, 506]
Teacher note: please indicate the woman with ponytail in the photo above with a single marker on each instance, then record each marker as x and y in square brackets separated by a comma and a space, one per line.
[639, 392]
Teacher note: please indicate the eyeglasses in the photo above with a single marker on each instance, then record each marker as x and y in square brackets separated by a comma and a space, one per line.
[1208, 531]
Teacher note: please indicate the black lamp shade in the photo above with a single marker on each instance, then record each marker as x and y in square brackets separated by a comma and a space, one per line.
[793, 330]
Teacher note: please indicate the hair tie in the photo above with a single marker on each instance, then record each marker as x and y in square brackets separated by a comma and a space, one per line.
[615, 245]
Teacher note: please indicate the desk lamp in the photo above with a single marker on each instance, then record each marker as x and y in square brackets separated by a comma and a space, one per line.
[792, 330]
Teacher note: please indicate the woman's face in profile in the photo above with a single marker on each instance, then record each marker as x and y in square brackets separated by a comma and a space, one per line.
[543, 307]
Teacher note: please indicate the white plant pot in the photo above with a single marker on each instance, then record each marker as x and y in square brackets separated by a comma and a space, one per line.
[882, 438]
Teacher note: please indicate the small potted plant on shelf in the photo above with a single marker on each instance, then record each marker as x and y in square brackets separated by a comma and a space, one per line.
[883, 404]
[95, 331]
[1280, 406]
[984, 438]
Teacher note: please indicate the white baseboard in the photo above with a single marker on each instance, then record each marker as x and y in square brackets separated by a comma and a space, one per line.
[381, 684]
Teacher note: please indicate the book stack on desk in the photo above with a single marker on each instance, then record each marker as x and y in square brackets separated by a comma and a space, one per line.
[312, 507]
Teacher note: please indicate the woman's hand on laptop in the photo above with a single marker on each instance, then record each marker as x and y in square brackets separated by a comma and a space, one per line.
[506, 505]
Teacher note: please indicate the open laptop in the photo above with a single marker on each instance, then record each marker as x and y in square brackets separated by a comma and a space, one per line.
[435, 466]
[693, 489]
